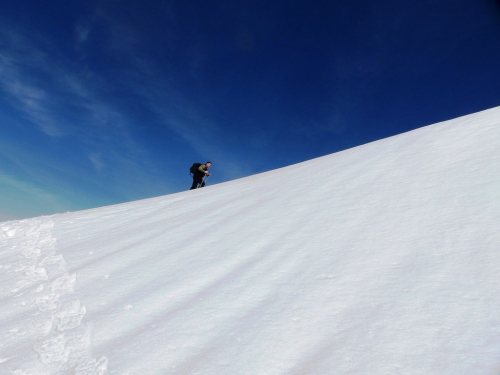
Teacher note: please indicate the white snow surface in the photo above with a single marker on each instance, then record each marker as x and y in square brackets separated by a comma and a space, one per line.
[381, 259]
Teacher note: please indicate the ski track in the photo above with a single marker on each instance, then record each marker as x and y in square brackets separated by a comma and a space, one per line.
[43, 290]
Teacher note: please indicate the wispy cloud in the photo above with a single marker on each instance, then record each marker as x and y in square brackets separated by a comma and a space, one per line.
[67, 100]
[82, 33]
[29, 98]
[85, 25]
[27, 188]
[33, 102]
[59, 98]
[95, 158]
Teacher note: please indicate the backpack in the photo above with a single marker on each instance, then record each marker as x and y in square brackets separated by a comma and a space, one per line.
[194, 168]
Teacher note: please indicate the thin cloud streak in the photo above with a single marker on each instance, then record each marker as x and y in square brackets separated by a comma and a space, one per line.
[30, 100]
[95, 158]
[28, 188]
[93, 120]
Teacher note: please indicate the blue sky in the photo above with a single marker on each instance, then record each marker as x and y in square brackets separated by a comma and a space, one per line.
[103, 102]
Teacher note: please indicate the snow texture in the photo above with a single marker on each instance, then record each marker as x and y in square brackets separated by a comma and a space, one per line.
[381, 259]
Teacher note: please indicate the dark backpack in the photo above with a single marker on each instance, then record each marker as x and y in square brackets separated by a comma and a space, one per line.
[194, 168]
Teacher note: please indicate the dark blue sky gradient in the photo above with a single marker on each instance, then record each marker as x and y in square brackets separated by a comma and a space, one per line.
[109, 101]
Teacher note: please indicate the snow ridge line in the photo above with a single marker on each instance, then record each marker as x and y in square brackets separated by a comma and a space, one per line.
[64, 342]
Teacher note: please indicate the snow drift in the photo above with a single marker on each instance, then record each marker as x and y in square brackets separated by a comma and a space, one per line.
[381, 259]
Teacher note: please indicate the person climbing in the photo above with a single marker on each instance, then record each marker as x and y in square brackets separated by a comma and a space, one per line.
[199, 171]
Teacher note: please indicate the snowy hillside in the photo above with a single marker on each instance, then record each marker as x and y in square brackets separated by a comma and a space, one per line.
[382, 259]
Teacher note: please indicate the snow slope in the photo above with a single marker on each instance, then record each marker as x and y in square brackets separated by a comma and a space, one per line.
[382, 259]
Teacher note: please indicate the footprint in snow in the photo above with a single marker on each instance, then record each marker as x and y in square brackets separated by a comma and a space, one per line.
[64, 342]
